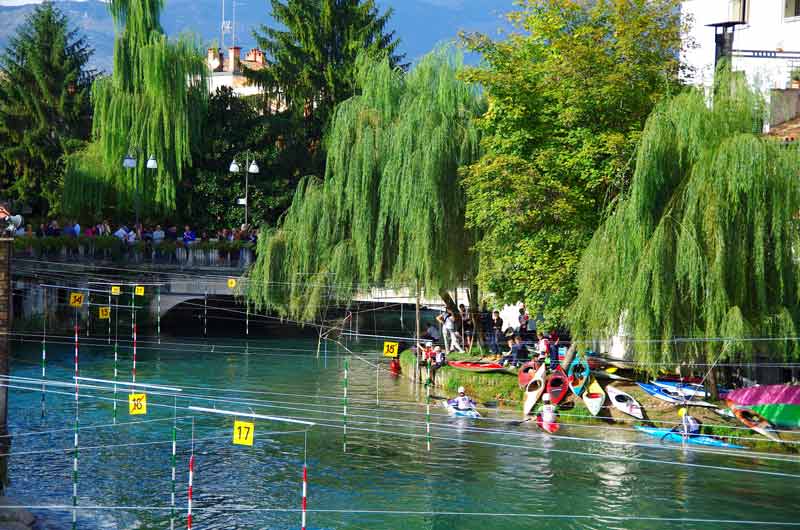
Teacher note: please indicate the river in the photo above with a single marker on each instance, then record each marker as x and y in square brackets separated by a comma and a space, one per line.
[502, 475]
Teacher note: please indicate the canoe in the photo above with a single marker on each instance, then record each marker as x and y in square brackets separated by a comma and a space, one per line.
[777, 404]
[672, 396]
[594, 397]
[461, 413]
[624, 402]
[549, 427]
[756, 423]
[477, 367]
[578, 374]
[526, 373]
[667, 435]
[534, 391]
[557, 385]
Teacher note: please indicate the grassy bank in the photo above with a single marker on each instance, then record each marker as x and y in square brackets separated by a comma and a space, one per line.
[502, 389]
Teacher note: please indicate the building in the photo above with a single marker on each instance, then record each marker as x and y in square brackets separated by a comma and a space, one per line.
[228, 71]
[762, 40]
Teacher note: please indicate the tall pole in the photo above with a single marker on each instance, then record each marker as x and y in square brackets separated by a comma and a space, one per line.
[246, 188]
[417, 333]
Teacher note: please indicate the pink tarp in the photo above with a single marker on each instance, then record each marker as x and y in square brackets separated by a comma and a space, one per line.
[765, 395]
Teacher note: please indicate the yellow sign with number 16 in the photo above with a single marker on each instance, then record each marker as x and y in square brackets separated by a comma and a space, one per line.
[243, 432]
[391, 349]
[137, 404]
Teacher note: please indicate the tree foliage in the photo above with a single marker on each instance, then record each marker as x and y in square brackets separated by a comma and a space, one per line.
[705, 242]
[45, 108]
[152, 104]
[313, 55]
[391, 208]
[568, 93]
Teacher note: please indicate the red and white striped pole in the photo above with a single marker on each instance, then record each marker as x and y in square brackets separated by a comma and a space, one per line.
[191, 478]
[305, 498]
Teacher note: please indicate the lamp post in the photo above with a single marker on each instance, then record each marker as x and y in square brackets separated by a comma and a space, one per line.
[129, 162]
[252, 168]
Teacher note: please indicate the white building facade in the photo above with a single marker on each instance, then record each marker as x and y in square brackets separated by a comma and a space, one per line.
[766, 42]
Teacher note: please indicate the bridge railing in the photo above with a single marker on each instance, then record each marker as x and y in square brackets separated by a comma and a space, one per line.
[223, 254]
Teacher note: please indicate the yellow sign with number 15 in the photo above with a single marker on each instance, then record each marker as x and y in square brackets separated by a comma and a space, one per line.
[137, 404]
[243, 432]
[105, 312]
[391, 349]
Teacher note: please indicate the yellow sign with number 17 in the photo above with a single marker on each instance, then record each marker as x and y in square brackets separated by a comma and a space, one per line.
[391, 349]
[243, 432]
[137, 404]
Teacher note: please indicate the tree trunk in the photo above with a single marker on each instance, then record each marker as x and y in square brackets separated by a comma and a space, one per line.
[475, 314]
[571, 351]
[711, 383]
[448, 301]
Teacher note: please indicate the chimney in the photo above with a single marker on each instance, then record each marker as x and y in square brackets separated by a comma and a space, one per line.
[255, 56]
[234, 59]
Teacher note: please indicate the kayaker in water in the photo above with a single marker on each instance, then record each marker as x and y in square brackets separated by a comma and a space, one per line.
[463, 401]
[548, 410]
[689, 426]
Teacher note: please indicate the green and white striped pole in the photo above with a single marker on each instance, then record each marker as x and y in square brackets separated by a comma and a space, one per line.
[174, 441]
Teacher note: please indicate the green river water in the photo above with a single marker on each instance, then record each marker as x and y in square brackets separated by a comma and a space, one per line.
[479, 475]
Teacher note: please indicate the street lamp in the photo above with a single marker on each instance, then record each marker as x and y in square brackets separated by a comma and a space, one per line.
[129, 162]
[252, 168]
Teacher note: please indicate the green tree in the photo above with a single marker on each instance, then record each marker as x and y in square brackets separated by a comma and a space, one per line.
[704, 244]
[153, 104]
[45, 108]
[568, 95]
[390, 209]
[313, 55]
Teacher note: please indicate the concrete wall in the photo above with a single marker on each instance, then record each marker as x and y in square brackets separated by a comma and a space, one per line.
[784, 105]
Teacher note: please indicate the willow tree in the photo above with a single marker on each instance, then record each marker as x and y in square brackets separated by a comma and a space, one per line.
[391, 207]
[704, 245]
[151, 105]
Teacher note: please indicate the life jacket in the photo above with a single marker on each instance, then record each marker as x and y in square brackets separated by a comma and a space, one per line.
[548, 414]
[463, 403]
[690, 425]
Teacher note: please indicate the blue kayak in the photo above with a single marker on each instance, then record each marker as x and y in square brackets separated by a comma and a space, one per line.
[461, 413]
[670, 436]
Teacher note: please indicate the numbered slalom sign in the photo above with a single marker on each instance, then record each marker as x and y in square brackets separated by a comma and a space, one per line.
[139, 290]
[105, 312]
[231, 283]
[116, 290]
[243, 432]
[391, 349]
[76, 299]
[137, 404]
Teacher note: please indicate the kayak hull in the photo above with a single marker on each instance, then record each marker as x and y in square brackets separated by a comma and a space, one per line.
[578, 375]
[462, 413]
[557, 386]
[624, 402]
[668, 436]
[477, 367]
[534, 391]
[594, 397]
[777, 404]
[526, 373]
[547, 427]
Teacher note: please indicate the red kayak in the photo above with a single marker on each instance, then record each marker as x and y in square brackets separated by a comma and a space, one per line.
[677, 378]
[477, 367]
[526, 373]
[550, 427]
[557, 386]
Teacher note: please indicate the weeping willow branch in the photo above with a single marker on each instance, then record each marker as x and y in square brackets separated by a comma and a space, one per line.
[153, 102]
[391, 207]
[705, 244]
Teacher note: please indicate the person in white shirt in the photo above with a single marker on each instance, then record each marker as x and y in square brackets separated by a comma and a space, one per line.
[548, 410]
[462, 401]
[158, 235]
[451, 341]
[121, 233]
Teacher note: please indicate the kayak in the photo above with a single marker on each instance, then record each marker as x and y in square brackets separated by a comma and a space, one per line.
[679, 379]
[548, 427]
[534, 391]
[578, 374]
[594, 397]
[557, 385]
[526, 373]
[478, 367]
[779, 405]
[675, 437]
[461, 413]
[605, 374]
[690, 390]
[672, 396]
[624, 402]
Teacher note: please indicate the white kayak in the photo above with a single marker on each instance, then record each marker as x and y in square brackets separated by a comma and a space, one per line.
[461, 413]
[594, 397]
[534, 391]
[624, 402]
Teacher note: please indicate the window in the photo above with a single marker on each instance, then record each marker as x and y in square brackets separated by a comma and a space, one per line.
[792, 8]
[739, 10]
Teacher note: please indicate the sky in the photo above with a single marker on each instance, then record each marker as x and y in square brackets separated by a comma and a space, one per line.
[420, 24]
